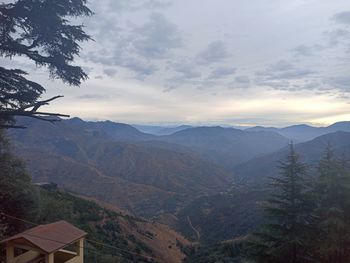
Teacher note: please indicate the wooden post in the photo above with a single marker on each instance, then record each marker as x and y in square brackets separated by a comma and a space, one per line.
[81, 250]
[10, 253]
[49, 258]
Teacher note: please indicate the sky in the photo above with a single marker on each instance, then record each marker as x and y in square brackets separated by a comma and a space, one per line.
[213, 62]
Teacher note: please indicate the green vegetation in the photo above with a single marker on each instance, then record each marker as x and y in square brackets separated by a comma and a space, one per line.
[332, 211]
[230, 252]
[102, 226]
[306, 219]
[223, 216]
[19, 198]
[17, 195]
[285, 236]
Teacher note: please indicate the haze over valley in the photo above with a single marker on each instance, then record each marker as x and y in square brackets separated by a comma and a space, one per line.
[163, 131]
[196, 173]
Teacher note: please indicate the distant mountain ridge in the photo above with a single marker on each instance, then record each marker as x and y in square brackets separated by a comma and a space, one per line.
[140, 172]
[228, 146]
[258, 170]
[303, 132]
[160, 130]
[144, 179]
[297, 133]
[238, 212]
[117, 131]
[177, 178]
[144, 173]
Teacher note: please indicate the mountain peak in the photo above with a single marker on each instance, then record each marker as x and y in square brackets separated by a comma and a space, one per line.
[341, 125]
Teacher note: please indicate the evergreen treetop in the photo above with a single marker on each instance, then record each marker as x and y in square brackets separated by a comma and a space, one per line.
[284, 236]
[42, 31]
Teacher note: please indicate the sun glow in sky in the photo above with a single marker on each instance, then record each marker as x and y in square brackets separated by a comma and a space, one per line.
[234, 62]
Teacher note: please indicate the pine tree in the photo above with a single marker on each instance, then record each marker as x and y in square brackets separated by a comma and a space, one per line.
[18, 197]
[45, 32]
[332, 195]
[284, 237]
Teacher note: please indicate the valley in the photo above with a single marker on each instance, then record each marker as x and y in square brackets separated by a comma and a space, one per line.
[206, 183]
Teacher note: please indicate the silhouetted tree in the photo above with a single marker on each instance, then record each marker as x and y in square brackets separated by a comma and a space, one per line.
[42, 31]
[284, 237]
[17, 195]
[332, 198]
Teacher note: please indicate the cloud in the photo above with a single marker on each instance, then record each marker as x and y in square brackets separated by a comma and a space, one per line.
[314, 85]
[186, 68]
[241, 82]
[215, 52]
[307, 51]
[156, 38]
[222, 72]
[242, 79]
[166, 44]
[337, 36]
[197, 83]
[284, 75]
[292, 74]
[275, 84]
[340, 82]
[188, 73]
[92, 97]
[281, 65]
[303, 50]
[139, 47]
[135, 5]
[110, 72]
[156, 4]
[140, 67]
[342, 17]
[283, 70]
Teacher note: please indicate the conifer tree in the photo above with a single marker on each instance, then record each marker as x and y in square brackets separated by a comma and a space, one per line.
[45, 32]
[284, 237]
[332, 196]
[18, 197]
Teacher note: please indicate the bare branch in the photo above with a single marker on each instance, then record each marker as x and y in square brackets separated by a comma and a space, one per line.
[11, 113]
[38, 104]
[8, 126]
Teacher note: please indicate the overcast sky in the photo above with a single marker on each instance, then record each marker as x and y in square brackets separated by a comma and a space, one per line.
[236, 62]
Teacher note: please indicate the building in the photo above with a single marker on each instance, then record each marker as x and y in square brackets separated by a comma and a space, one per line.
[59, 242]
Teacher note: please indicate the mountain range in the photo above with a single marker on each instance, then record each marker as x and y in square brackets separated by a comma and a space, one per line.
[227, 147]
[238, 211]
[160, 130]
[141, 178]
[207, 182]
[146, 174]
[259, 170]
[303, 132]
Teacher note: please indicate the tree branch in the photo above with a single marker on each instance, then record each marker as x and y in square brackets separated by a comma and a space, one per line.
[8, 114]
[38, 104]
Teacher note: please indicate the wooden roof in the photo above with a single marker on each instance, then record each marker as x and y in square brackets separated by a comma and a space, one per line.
[51, 237]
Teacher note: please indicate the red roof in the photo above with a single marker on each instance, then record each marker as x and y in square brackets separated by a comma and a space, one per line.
[50, 237]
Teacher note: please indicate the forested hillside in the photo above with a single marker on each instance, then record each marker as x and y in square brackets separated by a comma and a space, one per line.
[176, 131]
[258, 170]
[123, 237]
[181, 180]
[222, 217]
[306, 217]
[227, 147]
[113, 235]
[142, 178]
